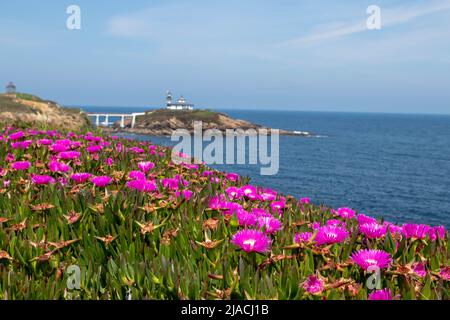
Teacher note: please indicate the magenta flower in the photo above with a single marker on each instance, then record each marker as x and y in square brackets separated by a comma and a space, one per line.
[42, 179]
[277, 206]
[139, 175]
[80, 177]
[69, 155]
[362, 219]
[59, 147]
[44, 142]
[367, 258]
[417, 231]
[250, 192]
[331, 235]
[445, 273]
[17, 135]
[260, 212]
[419, 269]
[142, 185]
[252, 241]
[94, 149]
[313, 285]
[146, 166]
[232, 176]
[233, 192]
[21, 165]
[383, 294]
[101, 181]
[305, 200]
[437, 233]
[56, 166]
[303, 237]
[269, 224]
[267, 195]
[246, 219]
[345, 213]
[373, 230]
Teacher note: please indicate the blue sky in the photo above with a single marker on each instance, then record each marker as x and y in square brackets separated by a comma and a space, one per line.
[285, 54]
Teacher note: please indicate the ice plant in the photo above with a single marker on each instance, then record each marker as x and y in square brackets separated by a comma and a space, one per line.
[252, 241]
[383, 294]
[367, 258]
[42, 179]
[331, 235]
[80, 177]
[417, 231]
[345, 213]
[313, 285]
[303, 237]
[21, 165]
[373, 230]
[269, 224]
[419, 269]
[101, 181]
[146, 166]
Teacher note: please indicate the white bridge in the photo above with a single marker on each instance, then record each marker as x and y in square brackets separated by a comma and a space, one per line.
[118, 115]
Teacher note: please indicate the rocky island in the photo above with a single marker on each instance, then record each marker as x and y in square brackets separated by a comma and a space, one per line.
[162, 122]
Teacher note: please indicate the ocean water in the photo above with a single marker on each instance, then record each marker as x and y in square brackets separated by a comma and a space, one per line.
[386, 165]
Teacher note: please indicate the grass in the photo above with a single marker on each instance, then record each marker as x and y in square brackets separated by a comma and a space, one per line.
[183, 115]
[162, 244]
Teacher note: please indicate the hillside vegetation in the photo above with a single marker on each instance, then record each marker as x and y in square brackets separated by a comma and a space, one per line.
[25, 109]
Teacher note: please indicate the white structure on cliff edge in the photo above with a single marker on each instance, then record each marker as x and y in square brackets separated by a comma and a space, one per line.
[181, 104]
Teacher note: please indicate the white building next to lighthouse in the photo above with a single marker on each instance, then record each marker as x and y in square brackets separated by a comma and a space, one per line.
[181, 104]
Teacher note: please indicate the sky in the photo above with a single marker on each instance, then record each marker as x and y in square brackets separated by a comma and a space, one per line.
[315, 55]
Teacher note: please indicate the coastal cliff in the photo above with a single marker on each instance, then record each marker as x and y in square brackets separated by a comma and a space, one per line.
[162, 122]
[20, 108]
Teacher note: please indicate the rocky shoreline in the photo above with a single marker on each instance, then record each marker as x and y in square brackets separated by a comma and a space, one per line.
[163, 122]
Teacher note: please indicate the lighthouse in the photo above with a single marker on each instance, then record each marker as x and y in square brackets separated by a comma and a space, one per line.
[180, 104]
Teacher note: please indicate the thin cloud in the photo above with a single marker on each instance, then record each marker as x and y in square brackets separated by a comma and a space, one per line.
[389, 17]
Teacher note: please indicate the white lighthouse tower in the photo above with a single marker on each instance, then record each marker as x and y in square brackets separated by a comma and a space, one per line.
[180, 104]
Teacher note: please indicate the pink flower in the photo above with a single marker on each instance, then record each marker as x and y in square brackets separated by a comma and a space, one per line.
[367, 258]
[417, 231]
[269, 224]
[69, 155]
[345, 213]
[233, 192]
[437, 233]
[142, 185]
[246, 219]
[94, 149]
[146, 166]
[42, 179]
[383, 294]
[56, 166]
[232, 176]
[101, 181]
[445, 273]
[303, 237]
[80, 177]
[419, 269]
[252, 241]
[109, 161]
[313, 285]
[277, 206]
[331, 235]
[139, 175]
[16, 135]
[267, 195]
[249, 192]
[21, 165]
[373, 230]
[305, 200]
[362, 218]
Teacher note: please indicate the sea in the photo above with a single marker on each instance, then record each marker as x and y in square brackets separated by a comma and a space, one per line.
[395, 166]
